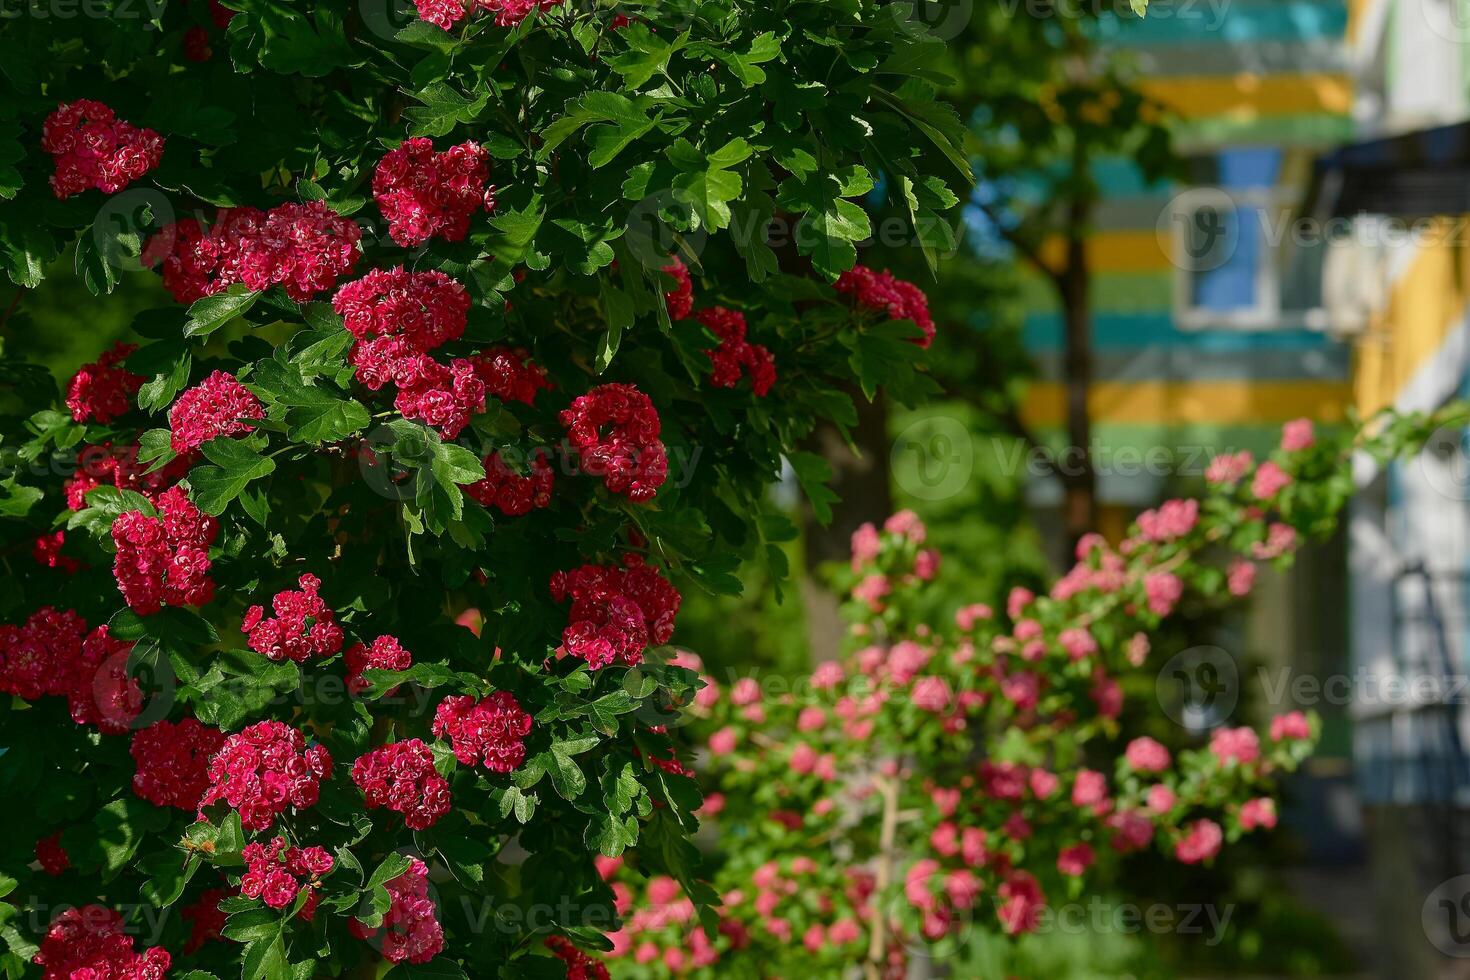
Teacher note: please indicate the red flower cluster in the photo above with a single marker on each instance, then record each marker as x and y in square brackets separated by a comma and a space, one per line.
[491, 731]
[411, 929]
[444, 397]
[385, 653]
[52, 856]
[882, 292]
[617, 613]
[205, 919]
[265, 769]
[402, 778]
[735, 354]
[512, 493]
[119, 467]
[304, 248]
[47, 551]
[303, 625]
[91, 943]
[164, 560]
[93, 148]
[275, 873]
[53, 655]
[630, 458]
[398, 318]
[680, 300]
[508, 13]
[216, 406]
[580, 966]
[424, 194]
[172, 762]
[510, 375]
[103, 390]
[426, 309]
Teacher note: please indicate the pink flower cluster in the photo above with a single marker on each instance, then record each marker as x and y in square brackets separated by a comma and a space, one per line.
[264, 770]
[410, 931]
[384, 653]
[217, 406]
[735, 354]
[617, 613]
[880, 291]
[94, 148]
[1200, 843]
[52, 654]
[628, 456]
[92, 943]
[508, 13]
[303, 626]
[509, 491]
[104, 389]
[164, 560]
[1147, 755]
[425, 194]
[172, 762]
[276, 873]
[401, 777]
[1172, 520]
[304, 248]
[425, 309]
[491, 731]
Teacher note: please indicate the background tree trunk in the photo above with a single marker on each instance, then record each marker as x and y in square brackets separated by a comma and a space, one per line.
[862, 481]
[1078, 476]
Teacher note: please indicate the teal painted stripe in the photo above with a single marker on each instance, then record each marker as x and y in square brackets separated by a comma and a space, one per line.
[1180, 364]
[1226, 22]
[1293, 58]
[1043, 332]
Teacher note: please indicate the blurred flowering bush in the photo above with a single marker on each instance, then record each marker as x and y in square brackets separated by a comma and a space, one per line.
[963, 774]
[481, 331]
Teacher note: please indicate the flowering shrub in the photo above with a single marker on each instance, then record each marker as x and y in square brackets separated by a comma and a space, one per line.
[472, 355]
[948, 776]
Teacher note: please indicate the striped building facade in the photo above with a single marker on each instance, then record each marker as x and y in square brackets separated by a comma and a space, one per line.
[1301, 119]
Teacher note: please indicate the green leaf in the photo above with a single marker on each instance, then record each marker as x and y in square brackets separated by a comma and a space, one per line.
[647, 54]
[93, 265]
[213, 487]
[705, 182]
[623, 115]
[443, 109]
[208, 314]
[813, 473]
[391, 867]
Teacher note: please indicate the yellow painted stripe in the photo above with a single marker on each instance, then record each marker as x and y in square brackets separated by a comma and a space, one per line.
[1248, 95]
[1357, 11]
[1427, 302]
[1194, 402]
[1116, 251]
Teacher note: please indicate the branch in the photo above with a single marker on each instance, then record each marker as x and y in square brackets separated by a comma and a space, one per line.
[878, 933]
